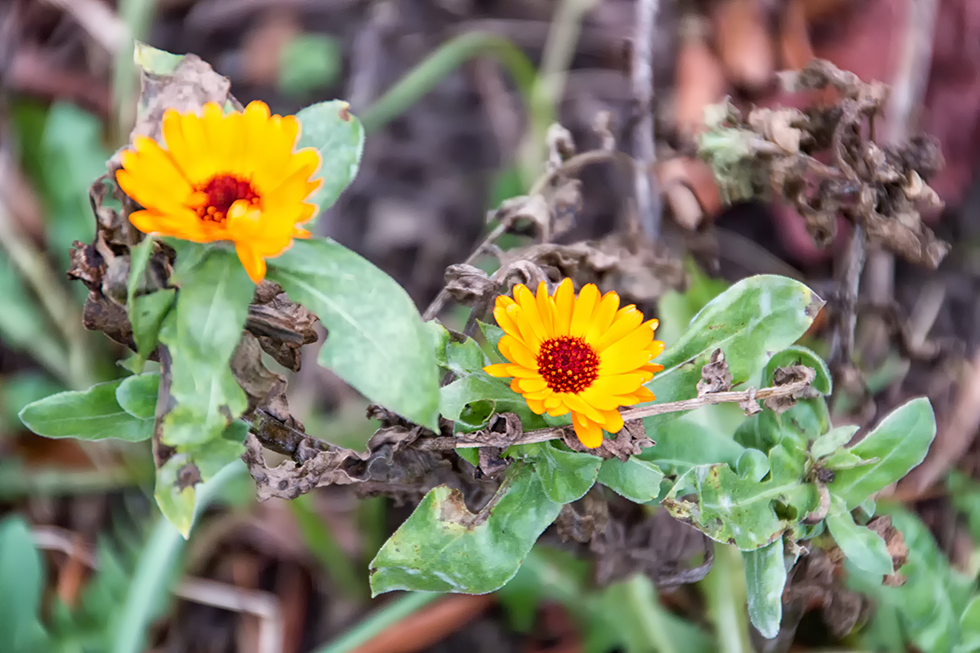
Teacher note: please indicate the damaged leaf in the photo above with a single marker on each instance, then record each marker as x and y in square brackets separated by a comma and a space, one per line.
[376, 340]
[175, 492]
[742, 511]
[443, 547]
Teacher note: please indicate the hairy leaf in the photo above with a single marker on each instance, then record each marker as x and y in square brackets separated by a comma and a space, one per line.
[765, 578]
[92, 414]
[443, 547]
[899, 442]
[376, 340]
[201, 333]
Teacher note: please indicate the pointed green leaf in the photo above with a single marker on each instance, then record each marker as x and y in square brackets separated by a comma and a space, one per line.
[202, 333]
[832, 440]
[459, 356]
[635, 479]
[765, 578]
[376, 341]
[899, 442]
[137, 395]
[92, 414]
[861, 545]
[21, 585]
[338, 136]
[749, 321]
[443, 547]
[742, 511]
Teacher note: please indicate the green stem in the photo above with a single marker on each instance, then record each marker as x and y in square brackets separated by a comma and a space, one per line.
[647, 613]
[137, 14]
[380, 620]
[724, 588]
[322, 544]
[154, 575]
[16, 482]
[438, 65]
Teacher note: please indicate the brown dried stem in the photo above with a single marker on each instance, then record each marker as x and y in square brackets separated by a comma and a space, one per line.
[484, 439]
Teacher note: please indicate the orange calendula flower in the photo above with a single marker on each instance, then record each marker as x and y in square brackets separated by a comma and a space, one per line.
[583, 355]
[220, 176]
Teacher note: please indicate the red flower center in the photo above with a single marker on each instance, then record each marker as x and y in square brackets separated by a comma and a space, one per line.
[568, 364]
[222, 192]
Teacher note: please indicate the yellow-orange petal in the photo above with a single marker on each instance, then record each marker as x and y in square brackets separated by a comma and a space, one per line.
[605, 313]
[546, 309]
[536, 406]
[528, 334]
[585, 305]
[627, 320]
[532, 385]
[614, 421]
[254, 264]
[515, 351]
[588, 433]
[564, 305]
[500, 370]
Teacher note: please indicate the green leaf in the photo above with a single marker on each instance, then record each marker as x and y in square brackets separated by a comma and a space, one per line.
[21, 585]
[137, 395]
[753, 318]
[635, 479]
[765, 577]
[929, 605]
[970, 625]
[309, 62]
[492, 333]
[683, 444]
[157, 62]
[175, 497]
[376, 339]
[443, 547]
[752, 465]
[565, 475]
[92, 414]
[146, 312]
[861, 545]
[461, 357]
[742, 511]
[490, 395]
[18, 390]
[214, 455]
[338, 136]
[832, 440]
[900, 442]
[965, 494]
[202, 333]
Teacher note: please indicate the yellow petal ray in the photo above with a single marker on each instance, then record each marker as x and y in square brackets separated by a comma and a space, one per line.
[559, 410]
[529, 307]
[619, 384]
[622, 363]
[553, 401]
[588, 433]
[515, 351]
[634, 342]
[254, 265]
[515, 385]
[546, 309]
[505, 322]
[564, 305]
[585, 305]
[604, 315]
[627, 320]
[532, 385]
[614, 421]
[579, 406]
[523, 372]
[500, 370]
[537, 407]
[528, 334]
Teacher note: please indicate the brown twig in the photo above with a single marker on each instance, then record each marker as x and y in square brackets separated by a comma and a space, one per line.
[484, 439]
[648, 202]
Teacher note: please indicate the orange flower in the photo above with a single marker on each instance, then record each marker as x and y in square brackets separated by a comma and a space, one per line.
[583, 355]
[231, 177]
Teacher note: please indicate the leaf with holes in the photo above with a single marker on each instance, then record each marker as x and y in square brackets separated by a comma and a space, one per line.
[443, 547]
[376, 342]
[741, 510]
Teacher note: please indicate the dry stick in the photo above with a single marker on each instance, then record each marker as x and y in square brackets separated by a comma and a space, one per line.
[481, 439]
[648, 200]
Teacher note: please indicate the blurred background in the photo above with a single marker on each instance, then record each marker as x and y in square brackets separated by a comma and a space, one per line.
[441, 151]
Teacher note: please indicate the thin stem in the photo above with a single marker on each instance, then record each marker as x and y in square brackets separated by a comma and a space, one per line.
[648, 203]
[440, 300]
[383, 618]
[481, 439]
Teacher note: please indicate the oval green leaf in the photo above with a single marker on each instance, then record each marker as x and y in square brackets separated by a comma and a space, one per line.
[861, 545]
[376, 341]
[92, 414]
[330, 129]
[635, 479]
[765, 578]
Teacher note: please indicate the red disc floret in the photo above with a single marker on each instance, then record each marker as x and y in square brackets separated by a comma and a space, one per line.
[568, 364]
[222, 192]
